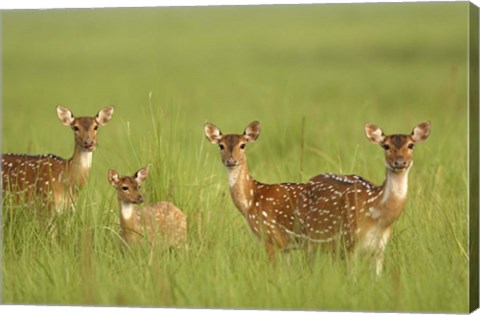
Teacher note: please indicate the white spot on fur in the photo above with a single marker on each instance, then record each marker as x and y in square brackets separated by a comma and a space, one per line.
[374, 213]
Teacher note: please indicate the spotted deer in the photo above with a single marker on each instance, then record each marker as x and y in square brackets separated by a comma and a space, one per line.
[159, 222]
[268, 208]
[48, 179]
[351, 212]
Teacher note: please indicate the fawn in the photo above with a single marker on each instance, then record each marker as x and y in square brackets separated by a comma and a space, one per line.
[355, 212]
[49, 179]
[161, 219]
[268, 209]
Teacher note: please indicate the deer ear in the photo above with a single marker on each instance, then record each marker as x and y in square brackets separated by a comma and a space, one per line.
[374, 134]
[213, 134]
[141, 175]
[113, 177]
[252, 131]
[421, 132]
[104, 115]
[65, 115]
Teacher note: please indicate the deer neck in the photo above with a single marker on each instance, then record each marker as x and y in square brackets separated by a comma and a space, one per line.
[394, 197]
[79, 166]
[127, 215]
[242, 187]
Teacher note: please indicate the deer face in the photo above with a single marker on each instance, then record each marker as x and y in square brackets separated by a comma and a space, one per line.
[398, 148]
[232, 146]
[128, 187]
[85, 128]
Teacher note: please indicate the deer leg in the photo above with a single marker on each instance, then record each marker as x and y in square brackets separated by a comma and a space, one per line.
[379, 264]
[379, 255]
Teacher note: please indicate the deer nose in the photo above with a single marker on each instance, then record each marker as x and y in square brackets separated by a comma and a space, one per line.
[230, 162]
[88, 142]
[139, 199]
[399, 162]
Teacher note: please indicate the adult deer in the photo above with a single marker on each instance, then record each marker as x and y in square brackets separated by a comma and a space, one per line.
[48, 179]
[160, 221]
[351, 212]
[268, 209]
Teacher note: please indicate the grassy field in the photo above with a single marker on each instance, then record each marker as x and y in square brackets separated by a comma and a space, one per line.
[170, 70]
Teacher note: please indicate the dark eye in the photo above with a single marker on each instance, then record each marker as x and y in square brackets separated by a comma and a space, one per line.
[124, 188]
[221, 146]
[75, 128]
[95, 128]
[386, 146]
[410, 146]
[242, 146]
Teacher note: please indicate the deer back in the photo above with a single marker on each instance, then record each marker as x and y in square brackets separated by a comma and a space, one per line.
[336, 208]
[27, 176]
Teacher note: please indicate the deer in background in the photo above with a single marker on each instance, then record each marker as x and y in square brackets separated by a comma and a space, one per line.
[351, 212]
[268, 209]
[48, 179]
[159, 221]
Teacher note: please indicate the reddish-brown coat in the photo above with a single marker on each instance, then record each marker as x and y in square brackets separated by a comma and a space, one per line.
[268, 209]
[50, 180]
[351, 213]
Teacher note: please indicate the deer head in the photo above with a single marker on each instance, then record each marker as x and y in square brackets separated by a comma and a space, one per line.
[398, 148]
[128, 187]
[232, 146]
[85, 128]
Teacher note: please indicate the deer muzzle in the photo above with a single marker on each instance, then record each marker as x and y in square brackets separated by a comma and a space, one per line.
[400, 163]
[89, 144]
[139, 199]
[231, 162]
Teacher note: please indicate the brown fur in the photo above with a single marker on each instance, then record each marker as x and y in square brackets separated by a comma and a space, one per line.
[352, 213]
[268, 209]
[161, 223]
[50, 180]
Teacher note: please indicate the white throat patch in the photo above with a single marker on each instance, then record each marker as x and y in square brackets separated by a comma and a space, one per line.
[233, 176]
[86, 159]
[127, 210]
[396, 186]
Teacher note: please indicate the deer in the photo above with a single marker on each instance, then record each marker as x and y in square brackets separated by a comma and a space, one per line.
[49, 180]
[160, 223]
[351, 213]
[267, 208]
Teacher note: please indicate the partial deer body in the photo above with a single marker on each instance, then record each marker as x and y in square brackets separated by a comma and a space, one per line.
[268, 209]
[49, 179]
[352, 213]
[159, 223]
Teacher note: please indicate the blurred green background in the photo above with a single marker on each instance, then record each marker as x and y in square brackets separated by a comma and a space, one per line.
[313, 75]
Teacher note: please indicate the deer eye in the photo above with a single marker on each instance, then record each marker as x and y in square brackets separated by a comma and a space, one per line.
[242, 146]
[386, 146]
[95, 128]
[410, 146]
[124, 188]
[221, 146]
[75, 128]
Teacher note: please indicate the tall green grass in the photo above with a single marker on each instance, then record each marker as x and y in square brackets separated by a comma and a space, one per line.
[323, 69]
